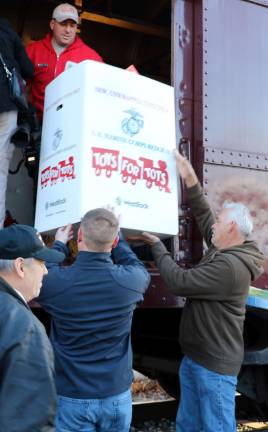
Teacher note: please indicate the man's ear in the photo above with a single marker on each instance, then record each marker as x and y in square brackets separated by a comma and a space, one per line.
[79, 235]
[233, 227]
[51, 24]
[115, 242]
[19, 267]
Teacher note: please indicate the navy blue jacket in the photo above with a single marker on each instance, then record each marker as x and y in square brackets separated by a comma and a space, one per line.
[91, 303]
[27, 390]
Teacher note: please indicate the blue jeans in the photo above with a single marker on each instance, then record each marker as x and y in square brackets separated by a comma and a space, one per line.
[111, 414]
[207, 401]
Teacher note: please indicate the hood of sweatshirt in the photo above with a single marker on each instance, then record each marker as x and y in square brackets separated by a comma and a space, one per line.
[251, 257]
[77, 43]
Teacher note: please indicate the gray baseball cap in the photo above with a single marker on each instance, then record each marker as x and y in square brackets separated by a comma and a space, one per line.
[65, 11]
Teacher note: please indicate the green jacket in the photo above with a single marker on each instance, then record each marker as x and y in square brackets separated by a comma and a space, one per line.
[211, 329]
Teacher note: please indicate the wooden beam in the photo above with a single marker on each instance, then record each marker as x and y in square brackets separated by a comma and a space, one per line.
[129, 25]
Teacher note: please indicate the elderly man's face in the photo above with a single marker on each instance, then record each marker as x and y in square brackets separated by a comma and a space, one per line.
[221, 228]
[64, 32]
[33, 277]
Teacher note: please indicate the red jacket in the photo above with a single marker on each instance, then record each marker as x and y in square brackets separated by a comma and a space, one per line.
[47, 65]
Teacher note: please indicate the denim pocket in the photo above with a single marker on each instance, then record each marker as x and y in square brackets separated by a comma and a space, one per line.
[71, 414]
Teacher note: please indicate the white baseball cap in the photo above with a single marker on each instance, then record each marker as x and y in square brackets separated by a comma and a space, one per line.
[65, 11]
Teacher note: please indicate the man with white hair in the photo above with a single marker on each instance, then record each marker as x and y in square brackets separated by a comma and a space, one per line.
[27, 389]
[50, 55]
[211, 329]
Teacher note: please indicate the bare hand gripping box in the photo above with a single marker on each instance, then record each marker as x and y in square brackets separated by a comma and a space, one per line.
[107, 138]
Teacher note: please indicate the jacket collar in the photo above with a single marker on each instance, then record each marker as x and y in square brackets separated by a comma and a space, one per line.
[96, 259]
[47, 41]
[5, 287]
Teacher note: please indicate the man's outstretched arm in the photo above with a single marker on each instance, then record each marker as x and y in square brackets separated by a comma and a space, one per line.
[198, 203]
[203, 282]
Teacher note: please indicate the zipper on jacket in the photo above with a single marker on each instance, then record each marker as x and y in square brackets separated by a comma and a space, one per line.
[55, 70]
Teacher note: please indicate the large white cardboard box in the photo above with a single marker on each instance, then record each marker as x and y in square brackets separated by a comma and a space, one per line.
[107, 138]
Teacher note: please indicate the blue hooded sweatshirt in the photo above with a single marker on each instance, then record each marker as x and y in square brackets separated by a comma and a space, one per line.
[91, 304]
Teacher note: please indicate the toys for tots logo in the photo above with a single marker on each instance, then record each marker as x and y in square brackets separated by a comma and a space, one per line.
[64, 169]
[106, 161]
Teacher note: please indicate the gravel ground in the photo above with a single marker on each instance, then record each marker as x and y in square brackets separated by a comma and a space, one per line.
[152, 426]
[169, 426]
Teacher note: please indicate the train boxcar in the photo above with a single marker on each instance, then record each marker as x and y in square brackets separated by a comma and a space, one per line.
[219, 76]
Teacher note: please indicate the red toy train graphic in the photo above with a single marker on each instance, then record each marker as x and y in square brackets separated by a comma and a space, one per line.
[106, 161]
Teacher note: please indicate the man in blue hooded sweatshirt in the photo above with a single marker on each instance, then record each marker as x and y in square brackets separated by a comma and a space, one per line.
[91, 303]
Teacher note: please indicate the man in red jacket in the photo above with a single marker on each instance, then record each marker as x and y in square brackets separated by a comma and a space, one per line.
[49, 55]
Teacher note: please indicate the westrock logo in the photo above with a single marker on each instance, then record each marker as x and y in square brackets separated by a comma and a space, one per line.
[119, 201]
[132, 124]
[55, 203]
[58, 134]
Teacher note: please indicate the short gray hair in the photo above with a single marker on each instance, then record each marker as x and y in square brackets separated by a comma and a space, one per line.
[7, 265]
[99, 226]
[240, 214]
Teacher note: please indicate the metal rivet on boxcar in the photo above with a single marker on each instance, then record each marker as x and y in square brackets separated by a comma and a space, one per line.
[183, 85]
